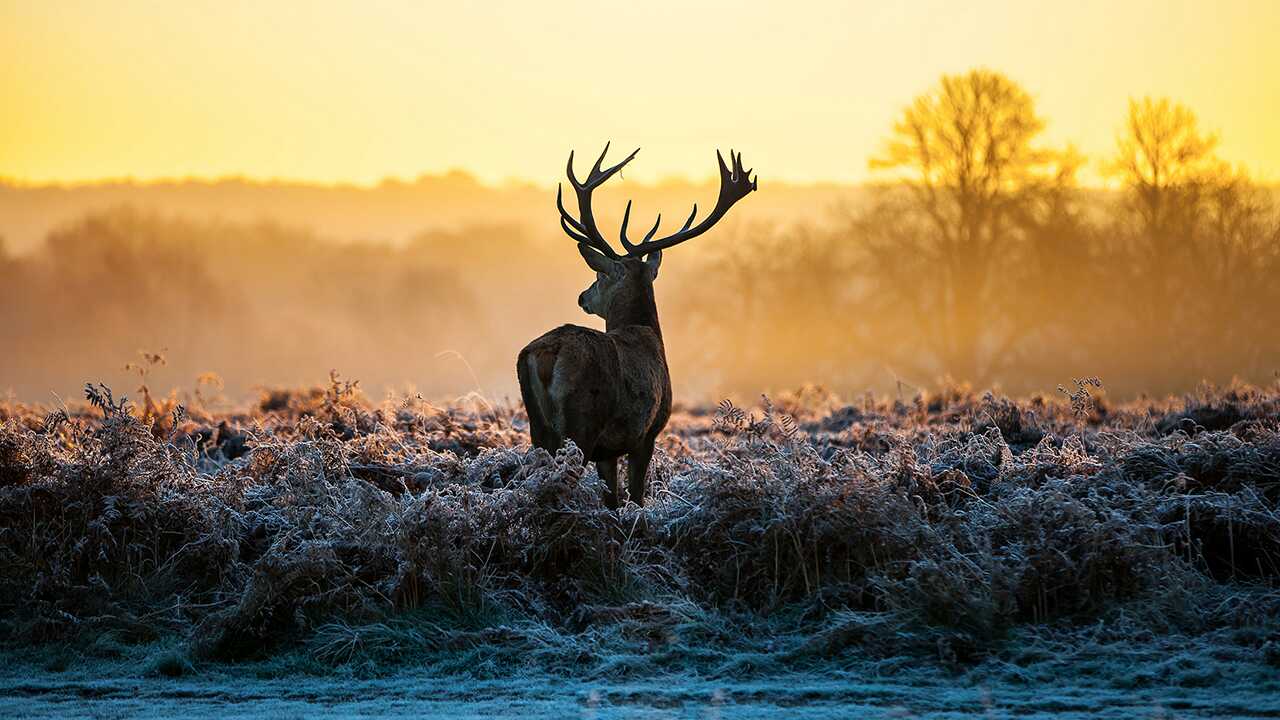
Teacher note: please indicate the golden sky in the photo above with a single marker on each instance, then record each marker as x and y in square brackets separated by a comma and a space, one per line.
[356, 91]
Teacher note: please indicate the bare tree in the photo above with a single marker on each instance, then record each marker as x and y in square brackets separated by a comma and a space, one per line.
[1166, 163]
[942, 253]
[1198, 265]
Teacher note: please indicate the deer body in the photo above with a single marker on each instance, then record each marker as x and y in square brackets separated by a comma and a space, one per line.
[610, 392]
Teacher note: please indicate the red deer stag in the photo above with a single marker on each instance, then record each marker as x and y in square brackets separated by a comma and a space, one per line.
[610, 392]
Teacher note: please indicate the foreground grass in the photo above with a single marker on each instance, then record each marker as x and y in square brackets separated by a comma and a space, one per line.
[320, 533]
[1170, 677]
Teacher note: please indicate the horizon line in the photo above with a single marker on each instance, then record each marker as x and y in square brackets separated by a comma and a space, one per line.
[456, 173]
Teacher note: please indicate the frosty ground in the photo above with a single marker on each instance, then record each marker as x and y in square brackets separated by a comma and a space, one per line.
[1114, 681]
[954, 553]
[1185, 678]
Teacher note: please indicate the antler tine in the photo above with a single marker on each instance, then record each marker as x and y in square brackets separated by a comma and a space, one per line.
[598, 176]
[564, 214]
[569, 171]
[595, 169]
[735, 184]
[738, 169]
[622, 235]
[583, 228]
[649, 235]
[692, 215]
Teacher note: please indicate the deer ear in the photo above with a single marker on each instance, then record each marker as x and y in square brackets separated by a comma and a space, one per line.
[595, 260]
[652, 261]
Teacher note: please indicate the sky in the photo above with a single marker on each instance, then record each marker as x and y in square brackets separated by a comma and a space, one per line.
[329, 91]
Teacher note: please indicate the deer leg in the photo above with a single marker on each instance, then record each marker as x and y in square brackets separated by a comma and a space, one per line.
[638, 470]
[541, 435]
[608, 471]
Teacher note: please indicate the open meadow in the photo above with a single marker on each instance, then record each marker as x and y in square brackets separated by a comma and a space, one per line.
[952, 542]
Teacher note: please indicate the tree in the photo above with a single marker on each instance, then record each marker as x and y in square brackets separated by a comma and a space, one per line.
[1196, 270]
[1166, 163]
[944, 254]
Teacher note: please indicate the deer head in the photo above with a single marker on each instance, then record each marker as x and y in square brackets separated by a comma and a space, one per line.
[622, 278]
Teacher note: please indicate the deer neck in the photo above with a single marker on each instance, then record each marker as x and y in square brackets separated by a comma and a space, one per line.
[634, 308]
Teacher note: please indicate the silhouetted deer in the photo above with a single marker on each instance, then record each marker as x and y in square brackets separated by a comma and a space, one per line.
[610, 392]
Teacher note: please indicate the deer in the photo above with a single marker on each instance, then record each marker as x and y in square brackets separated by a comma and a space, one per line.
[610, 391]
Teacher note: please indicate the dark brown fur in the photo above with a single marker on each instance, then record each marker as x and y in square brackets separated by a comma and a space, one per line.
[609, 392]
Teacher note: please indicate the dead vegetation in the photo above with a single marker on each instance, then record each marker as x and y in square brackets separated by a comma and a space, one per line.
[800, 531]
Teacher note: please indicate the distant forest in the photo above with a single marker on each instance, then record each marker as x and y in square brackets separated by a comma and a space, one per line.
[977, 257]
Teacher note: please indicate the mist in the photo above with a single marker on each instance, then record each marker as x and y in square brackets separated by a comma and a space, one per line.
[979, 258]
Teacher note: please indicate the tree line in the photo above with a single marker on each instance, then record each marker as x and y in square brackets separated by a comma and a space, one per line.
[981, 257]
[978, 255]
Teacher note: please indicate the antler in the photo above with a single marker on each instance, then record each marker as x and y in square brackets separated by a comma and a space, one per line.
[584, 229]
[735, 184]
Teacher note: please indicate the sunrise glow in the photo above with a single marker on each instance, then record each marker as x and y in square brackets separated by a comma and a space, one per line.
[355, 92]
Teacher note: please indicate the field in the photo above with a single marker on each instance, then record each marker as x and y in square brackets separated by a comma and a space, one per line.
[955, 539]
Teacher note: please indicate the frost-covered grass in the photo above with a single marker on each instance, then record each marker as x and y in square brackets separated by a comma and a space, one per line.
[1126, 687]
[321, 533]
